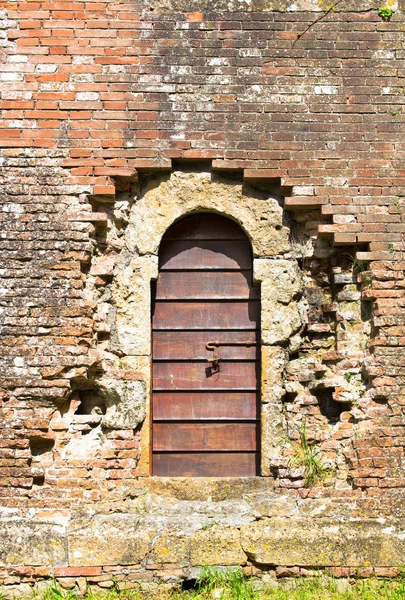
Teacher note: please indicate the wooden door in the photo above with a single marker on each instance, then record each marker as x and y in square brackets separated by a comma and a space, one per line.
[205, 422]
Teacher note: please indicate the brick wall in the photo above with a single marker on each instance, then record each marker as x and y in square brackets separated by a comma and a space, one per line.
[93, 93]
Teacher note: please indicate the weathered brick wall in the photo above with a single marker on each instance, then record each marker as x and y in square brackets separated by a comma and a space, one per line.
[93, 93]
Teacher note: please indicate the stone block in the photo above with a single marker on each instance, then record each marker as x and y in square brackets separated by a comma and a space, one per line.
[171, 547]
[273, 505]
[132, 297]
[273, 435]
[274, 361]
[217, 545]
[324, 542]
[282, 277]
[25, 543]
[125, 403]
[22, 590]
[108, 540]
[279, 321]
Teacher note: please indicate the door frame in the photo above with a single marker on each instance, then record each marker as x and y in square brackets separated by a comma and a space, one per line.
[168, 199]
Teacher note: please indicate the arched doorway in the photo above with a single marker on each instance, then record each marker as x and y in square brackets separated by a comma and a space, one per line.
[205, 414]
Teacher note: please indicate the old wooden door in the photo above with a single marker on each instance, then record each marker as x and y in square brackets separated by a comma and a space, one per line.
[205, 419]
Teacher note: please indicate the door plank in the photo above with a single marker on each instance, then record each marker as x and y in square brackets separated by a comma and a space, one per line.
[199, 376]
[204, 436]
[186, 406]
[206, 315]
[205, 226]
[209, 464]
[209, 254]
[183, 345]
[198, 285]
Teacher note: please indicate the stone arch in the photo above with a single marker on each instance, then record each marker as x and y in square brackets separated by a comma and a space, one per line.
[257, 212]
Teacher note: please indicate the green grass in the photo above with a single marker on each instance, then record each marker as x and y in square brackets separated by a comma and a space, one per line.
[216, 584]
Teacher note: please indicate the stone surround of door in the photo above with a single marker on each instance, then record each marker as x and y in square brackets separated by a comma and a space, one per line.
[163, 200]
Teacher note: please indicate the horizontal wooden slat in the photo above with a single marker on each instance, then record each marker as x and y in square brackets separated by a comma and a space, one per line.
[183, 345]
[206, 315]
[205, 465]
[199, 376]
[205, 226]
[204, 436]
[204, 405]
[209, 254]
[196, 285]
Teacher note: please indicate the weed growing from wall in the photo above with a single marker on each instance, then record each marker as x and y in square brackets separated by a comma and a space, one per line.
[385, 13]
[307, 454]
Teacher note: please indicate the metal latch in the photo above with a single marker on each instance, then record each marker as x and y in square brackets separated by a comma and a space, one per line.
[214, 360]
[214, 345]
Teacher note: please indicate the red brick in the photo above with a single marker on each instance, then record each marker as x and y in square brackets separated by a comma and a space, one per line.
[76, 571]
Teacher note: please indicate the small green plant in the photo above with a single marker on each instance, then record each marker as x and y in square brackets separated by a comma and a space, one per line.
[385, 12]
[401, 574]
[350, 376]
[358, 266]
[113, 593]
[55, 592]
[210, 524]
[210, 579]
[307, 455]
[367, 281]
[240, 588]
[230, 584]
